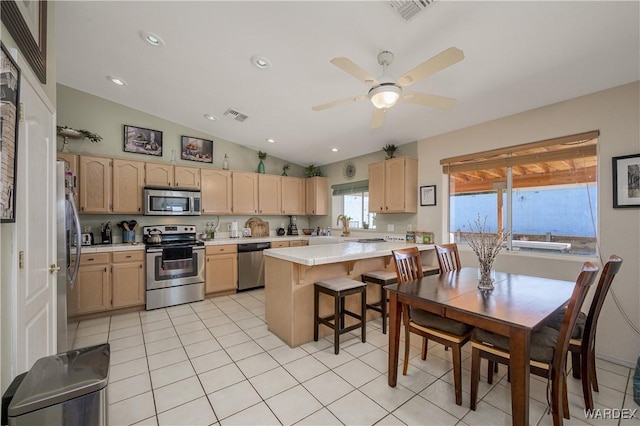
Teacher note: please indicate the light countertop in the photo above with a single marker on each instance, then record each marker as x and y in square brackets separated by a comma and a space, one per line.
[335, 253]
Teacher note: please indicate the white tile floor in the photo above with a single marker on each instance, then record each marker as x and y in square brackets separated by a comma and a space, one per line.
[215, 362]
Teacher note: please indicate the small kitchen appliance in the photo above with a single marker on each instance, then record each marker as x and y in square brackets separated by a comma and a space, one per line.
[87, 239]
[246, 232]
[234, 229]
[171, 202]
[293, 227]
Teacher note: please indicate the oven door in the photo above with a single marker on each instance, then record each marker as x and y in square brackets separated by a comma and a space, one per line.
[174, 266]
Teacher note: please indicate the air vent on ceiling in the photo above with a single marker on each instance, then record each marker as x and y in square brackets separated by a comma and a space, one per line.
[235, 115]
[407, 9]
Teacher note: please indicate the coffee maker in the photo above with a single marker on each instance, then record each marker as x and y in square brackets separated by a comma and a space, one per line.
[293, 228]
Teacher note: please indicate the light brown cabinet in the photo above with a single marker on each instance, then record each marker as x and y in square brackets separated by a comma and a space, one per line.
[269, 194]
[317, 196]
[92, 290]
[105, 282]
[128, 184]
[221, 269]
[298, 243]
[293, 189]
[159, 175]
[71, 160]
[166, 175]
[393, 186]
[95, 184]
[280, 244]
[186, 177]
[216, 191]
[128, 279]
[245, 193]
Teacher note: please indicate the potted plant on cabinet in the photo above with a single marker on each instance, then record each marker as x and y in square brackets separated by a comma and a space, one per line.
[345, 224]
[390, 150]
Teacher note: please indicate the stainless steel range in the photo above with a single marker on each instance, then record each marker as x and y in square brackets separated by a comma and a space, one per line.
[175, 265]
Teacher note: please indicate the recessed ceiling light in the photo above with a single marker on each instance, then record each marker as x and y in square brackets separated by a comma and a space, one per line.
[210, 117]
[152, 38]
[334, 149]
[260, 62]
[270, 140]
[116, 80]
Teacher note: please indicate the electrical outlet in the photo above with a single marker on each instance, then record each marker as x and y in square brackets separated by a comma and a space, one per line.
[229, 227]
[409, 227]
[390, 227]
[87, 229]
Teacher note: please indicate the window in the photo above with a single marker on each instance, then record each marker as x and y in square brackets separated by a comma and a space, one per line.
[352, 199]
[543, 193]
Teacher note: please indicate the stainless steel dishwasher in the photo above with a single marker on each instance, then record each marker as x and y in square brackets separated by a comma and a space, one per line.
[251, 265]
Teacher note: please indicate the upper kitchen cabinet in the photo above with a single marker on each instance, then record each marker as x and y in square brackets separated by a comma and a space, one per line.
[159, 175]
[293, 189]
[216, 191]
[71, 160]
[187, 177]
[165, 175]
[393, 186]
[269, 194]
[245, 193]
[128, 184]
[317, 196]
[95, 184]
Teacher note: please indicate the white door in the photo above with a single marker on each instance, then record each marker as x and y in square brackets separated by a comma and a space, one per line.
[35, 237]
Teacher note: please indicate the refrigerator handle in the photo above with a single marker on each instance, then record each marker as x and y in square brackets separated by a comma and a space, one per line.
[76, 221]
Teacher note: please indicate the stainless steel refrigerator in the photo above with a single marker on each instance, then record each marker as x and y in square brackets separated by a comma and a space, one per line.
[68, 236]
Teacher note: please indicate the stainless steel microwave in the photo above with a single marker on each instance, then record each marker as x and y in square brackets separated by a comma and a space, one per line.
[168, 202]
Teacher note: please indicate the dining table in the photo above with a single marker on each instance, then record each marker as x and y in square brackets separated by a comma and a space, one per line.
[517, 306]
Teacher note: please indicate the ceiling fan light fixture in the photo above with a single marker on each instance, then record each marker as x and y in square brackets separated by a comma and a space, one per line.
[385, 96]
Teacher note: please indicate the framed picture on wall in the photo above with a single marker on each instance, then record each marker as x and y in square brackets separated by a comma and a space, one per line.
[196, 149]
[626, 181]
[428, 195]
[10, 88]
[142, 141]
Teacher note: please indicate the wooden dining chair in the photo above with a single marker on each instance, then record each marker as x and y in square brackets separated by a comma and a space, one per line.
[548, 349]
[583, 337]
[445, 331]
[448, 257]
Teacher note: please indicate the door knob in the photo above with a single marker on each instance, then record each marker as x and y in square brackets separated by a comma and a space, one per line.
[53, 268]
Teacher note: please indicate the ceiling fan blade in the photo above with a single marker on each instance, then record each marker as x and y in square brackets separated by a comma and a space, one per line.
[378, 118]
[442, 60]
[345, 64]
[423, 99]
[340, 102]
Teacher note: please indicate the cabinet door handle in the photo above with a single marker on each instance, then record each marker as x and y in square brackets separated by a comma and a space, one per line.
[105, 269]
[208, 260]
[90, 259]
[141, 266]
[128, 256]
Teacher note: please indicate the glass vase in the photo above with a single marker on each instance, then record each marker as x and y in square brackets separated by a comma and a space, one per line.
[486, 276]
[261, 167]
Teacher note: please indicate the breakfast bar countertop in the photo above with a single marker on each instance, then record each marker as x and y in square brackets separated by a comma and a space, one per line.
[335, 253]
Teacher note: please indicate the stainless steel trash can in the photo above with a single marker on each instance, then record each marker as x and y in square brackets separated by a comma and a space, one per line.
[64, 389]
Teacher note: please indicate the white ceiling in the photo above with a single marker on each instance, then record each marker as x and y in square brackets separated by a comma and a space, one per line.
[518, 56]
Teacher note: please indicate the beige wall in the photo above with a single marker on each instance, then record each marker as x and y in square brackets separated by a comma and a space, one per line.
[81, 110]
[334, 173]
[616, 114]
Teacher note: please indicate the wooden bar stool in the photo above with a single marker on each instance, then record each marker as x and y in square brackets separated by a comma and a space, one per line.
[385, 277]
[339, 288]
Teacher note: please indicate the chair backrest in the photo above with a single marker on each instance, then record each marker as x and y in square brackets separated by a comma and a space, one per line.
[607, 275]
[448, 257]
[408, 264]
[585, 280]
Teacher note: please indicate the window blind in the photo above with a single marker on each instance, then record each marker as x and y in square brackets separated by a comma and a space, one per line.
[350, 188]
[557, 149]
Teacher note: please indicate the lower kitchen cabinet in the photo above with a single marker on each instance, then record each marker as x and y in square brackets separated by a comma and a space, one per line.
[280, 244]
[92, 290]
[128, 279]
[104, 283]
[299, 243]
[221, 269]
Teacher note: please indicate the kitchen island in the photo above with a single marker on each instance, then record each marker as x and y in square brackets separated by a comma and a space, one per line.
[291, 272]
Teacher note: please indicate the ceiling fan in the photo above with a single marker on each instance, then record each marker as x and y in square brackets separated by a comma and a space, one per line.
[385, 91]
